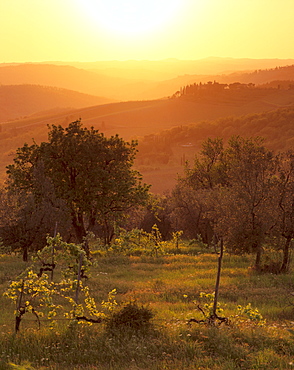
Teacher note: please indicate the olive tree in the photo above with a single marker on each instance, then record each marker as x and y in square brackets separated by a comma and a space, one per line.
[284, 214]
[235, 187]
[93, 176]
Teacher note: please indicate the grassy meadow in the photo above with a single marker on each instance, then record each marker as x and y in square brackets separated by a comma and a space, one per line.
[168, 285]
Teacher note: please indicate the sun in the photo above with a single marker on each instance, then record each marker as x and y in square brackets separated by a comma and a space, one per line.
[131, 18]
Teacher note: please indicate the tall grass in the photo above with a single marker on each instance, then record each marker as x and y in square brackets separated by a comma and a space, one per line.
[169, 286]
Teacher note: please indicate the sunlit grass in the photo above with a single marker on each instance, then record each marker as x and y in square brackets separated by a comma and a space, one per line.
[169, 285]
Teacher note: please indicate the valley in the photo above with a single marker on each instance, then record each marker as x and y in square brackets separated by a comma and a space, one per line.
[33, 96]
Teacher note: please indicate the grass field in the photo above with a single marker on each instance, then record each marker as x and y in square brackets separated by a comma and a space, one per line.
[169, 286]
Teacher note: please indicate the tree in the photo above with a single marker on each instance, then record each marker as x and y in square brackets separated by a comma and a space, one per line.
[191, 212]
[209, 168]
[234, 188]
[34, 220]
[251, 170]
[92, 174]
[157, 213]
[8, 208]
[32, 215]
[285, 200]
[190, 200]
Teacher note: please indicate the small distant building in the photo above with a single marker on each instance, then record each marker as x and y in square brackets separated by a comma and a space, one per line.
[188, 145]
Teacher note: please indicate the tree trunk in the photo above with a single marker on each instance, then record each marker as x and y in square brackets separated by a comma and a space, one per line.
[78, 225]
[25, 253]
[86, 247]
[108, 232]
[286, 253]
[258, 249]
[80, 231]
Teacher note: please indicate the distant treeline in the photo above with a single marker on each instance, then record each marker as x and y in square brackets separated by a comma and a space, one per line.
[199, 89]
[194, 89]
[276, 127]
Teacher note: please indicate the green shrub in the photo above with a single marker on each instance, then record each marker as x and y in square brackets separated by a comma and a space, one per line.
[131, 316]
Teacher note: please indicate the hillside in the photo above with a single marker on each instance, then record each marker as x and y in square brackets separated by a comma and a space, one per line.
[145, 120]
[161, 157]
[221, 108]
[135, 119]
[23, 100]
[136, 80]
[165, 88]
[66, 77]
[258, 77]
[166, 69]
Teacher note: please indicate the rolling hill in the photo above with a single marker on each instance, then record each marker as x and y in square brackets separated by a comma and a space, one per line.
[166, 69]
[169, 130]
[66, 77]
[258, 77]
[147, 119]
[161, 157]
[141, 80]
[135, 119]
[23, 100]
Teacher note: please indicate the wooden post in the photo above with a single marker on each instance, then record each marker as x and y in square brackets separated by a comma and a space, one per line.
[216, 291]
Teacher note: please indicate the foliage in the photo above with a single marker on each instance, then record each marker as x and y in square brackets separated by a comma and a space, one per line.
[92, 174]
[29, 218]
[157, 211]
[250, 314]
[3, 248]
[8, 208]
[189, 211]
[263, 124]
[130, 316]
[138, 241]
[37, 293]
[233, 190]
[159, 284]
[244, 314]
[176, 235]
[206, 302]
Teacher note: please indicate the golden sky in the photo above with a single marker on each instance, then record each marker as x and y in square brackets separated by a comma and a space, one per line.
[92, 30]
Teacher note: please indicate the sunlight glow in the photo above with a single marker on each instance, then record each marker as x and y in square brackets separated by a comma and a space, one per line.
[131, 18]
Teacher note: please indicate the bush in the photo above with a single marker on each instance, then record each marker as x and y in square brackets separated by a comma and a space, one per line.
[131, 316]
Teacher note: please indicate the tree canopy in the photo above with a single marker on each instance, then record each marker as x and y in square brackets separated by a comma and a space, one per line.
[232, 190]
[92, 174]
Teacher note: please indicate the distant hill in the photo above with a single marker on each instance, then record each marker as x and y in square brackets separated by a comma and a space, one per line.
[161, 70]
[23, 100]
[141, 80]
[162, 157]
[139, 118]
[66, 77]
[147, 119]
[262, 76]
[258, 77]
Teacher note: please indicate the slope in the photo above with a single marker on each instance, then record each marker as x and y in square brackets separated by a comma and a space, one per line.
[135, 119]
[138, 119]
[258, 77]
[22, 100]
[162, 157]
[134, 80]
[66, 77]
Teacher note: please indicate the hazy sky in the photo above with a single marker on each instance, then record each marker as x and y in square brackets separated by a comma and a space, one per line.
[91, 30]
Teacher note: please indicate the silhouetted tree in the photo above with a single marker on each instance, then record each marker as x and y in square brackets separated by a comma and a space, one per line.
[90, 173]
[285, 201]
[232, 188]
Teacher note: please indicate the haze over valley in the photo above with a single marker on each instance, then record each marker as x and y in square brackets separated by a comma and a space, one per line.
[33, 95]
[144, 71]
